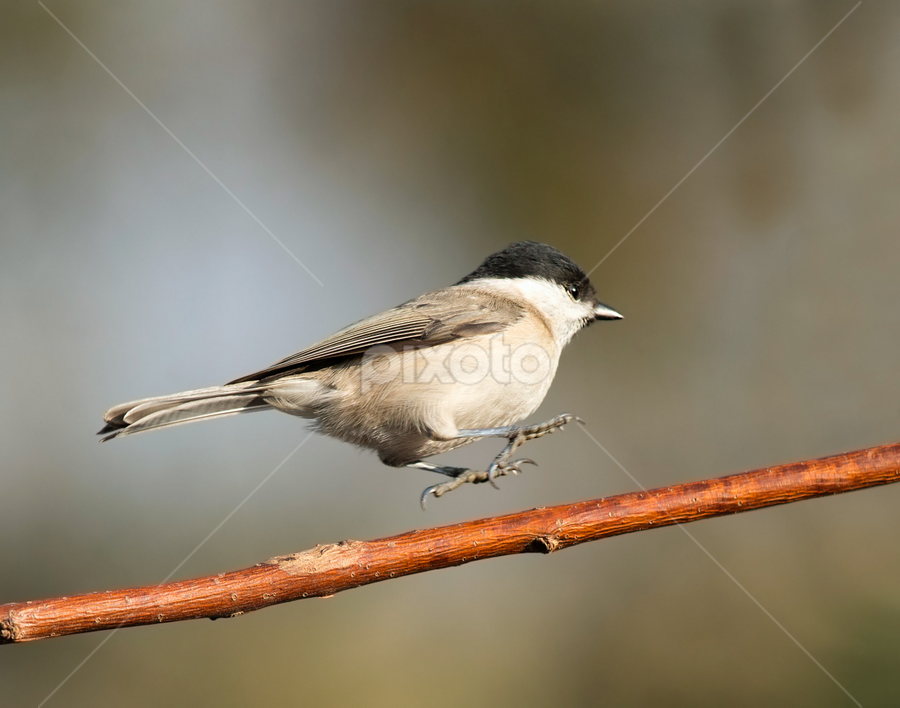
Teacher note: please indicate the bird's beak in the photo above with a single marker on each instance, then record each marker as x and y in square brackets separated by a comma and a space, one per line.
[602, 312]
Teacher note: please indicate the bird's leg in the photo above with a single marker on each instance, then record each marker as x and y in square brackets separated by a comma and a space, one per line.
[500, 466]
[514, 432]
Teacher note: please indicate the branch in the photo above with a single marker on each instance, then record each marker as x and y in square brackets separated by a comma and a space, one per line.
[326, 570]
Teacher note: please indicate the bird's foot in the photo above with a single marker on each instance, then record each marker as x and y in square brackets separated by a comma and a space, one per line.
[462, 475]
[501, 466]
[518, 436]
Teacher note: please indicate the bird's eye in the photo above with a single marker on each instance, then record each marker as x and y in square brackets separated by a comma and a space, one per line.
[574, 290]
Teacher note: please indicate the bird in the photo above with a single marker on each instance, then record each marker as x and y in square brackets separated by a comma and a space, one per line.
[455, 365]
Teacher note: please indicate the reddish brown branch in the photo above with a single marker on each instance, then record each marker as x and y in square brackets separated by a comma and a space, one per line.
[329, 569]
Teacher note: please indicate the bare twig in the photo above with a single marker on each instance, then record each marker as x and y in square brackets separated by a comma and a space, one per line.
[326, 570]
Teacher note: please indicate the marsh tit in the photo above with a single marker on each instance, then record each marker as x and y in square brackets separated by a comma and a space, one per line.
[441, 371]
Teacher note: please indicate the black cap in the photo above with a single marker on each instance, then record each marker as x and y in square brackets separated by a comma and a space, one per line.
[529, 259]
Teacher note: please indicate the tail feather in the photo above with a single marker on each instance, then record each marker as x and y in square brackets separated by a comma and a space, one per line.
[151, 413]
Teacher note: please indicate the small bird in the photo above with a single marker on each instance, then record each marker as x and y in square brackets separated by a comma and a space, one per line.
[451, 367]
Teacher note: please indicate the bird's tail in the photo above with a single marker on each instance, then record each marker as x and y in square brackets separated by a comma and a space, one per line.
[185, 407]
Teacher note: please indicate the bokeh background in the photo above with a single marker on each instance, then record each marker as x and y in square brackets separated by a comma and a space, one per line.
[391, 146]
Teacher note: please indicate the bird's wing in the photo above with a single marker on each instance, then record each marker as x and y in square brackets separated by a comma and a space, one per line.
[435, 318]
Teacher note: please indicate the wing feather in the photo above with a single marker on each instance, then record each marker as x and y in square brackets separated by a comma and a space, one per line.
[435, 318]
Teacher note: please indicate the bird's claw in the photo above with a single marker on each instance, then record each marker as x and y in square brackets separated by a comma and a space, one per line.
[464, 476]
[493, 471]
[514, 466]
[430, 490]
[502, 469]
[564, 419]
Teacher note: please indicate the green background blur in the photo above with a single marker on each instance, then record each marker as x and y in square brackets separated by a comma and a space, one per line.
[391, 146]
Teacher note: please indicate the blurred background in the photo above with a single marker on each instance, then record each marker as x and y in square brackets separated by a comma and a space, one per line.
[391, 146]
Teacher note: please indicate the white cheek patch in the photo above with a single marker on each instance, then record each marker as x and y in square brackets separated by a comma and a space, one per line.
[564, 314]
